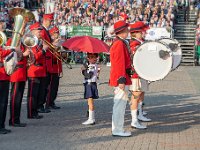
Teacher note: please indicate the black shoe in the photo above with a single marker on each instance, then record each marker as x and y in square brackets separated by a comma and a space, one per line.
[36, 117]
[54, 107]
[4, 131]
[42, 110]
[18, 124]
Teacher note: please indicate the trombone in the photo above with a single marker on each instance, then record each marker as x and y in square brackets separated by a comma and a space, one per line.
[30, 41]
[56, 51]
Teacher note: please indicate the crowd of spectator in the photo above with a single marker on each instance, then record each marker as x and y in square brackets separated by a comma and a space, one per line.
[156, 13]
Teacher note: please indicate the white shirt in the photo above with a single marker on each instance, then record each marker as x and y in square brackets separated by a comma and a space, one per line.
[92, 68]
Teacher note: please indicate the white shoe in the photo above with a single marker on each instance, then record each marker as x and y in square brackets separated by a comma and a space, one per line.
[89, 122]
[137, 125]
[122, 134]
[143, 118]
[144, 113]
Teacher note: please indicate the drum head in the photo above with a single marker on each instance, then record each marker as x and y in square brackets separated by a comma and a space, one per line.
[176, 51]
[148, 62]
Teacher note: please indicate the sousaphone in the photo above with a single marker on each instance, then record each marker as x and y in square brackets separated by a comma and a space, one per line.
[21, 17]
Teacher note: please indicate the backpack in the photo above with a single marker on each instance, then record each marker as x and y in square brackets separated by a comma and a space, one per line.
[10, 63]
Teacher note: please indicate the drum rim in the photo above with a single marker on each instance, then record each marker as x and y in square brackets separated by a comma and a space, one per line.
[173, 52]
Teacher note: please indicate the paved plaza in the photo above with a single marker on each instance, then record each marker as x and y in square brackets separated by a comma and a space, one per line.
[173, 104]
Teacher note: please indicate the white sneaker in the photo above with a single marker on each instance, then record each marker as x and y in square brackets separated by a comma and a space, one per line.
[137, 125]
[144, 113]
[143, 118]
[122, 134]
[89, 122]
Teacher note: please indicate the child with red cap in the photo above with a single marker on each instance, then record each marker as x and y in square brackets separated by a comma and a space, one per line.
[119, 78]
[139, 85]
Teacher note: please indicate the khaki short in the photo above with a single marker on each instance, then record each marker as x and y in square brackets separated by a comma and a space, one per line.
[139, 85]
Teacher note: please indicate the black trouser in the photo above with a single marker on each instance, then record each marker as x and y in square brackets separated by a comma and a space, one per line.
[16, 95]
[4, 90]
[42, 99]
[52, 89]
[36, 91]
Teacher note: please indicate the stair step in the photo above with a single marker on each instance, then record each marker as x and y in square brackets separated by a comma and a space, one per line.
[187, 50]
[184, 37]
[183, 22]
[185, 28]
[190, 17]
[190, 34]
[181, 30]
[190, 47]
[186, 25]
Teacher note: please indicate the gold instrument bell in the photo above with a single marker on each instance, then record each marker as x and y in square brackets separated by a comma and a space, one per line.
[21, 17]
[3, 38]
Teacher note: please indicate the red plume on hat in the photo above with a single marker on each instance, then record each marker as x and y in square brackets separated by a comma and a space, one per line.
[138, 26]
[35, 26]
[54, 30]
[120, 26]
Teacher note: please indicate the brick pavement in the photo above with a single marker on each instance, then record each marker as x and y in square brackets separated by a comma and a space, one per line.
[173, 104]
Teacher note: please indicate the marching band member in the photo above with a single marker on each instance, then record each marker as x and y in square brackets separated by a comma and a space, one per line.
[4, 90]
[36, 74]
[91, 73]
[139, 86]
[56, 72]
[18, 80]
[119, 78]
[46, 23]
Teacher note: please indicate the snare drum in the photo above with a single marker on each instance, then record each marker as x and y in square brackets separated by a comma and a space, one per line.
[176, 51]
[152, 60]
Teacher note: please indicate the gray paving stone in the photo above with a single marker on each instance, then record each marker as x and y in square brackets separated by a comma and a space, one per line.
[173, 104]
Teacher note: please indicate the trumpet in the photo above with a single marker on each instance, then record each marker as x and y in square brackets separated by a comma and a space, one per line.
[56, 51]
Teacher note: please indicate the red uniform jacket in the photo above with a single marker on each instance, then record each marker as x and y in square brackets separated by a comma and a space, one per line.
[49, 57]
[38, 69]
[3, 54]
[120, 61]
[20, 73]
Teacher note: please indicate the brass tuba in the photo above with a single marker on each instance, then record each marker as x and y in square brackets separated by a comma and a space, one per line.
[3, 38]
[21, 17]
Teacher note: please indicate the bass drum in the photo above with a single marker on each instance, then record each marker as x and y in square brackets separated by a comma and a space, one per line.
[176, 51]
[152, 60]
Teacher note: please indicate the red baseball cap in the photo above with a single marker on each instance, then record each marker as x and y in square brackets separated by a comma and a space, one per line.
[138, 26]
[54, 30]
[48, 16]
[35, 26]
[120, 26]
